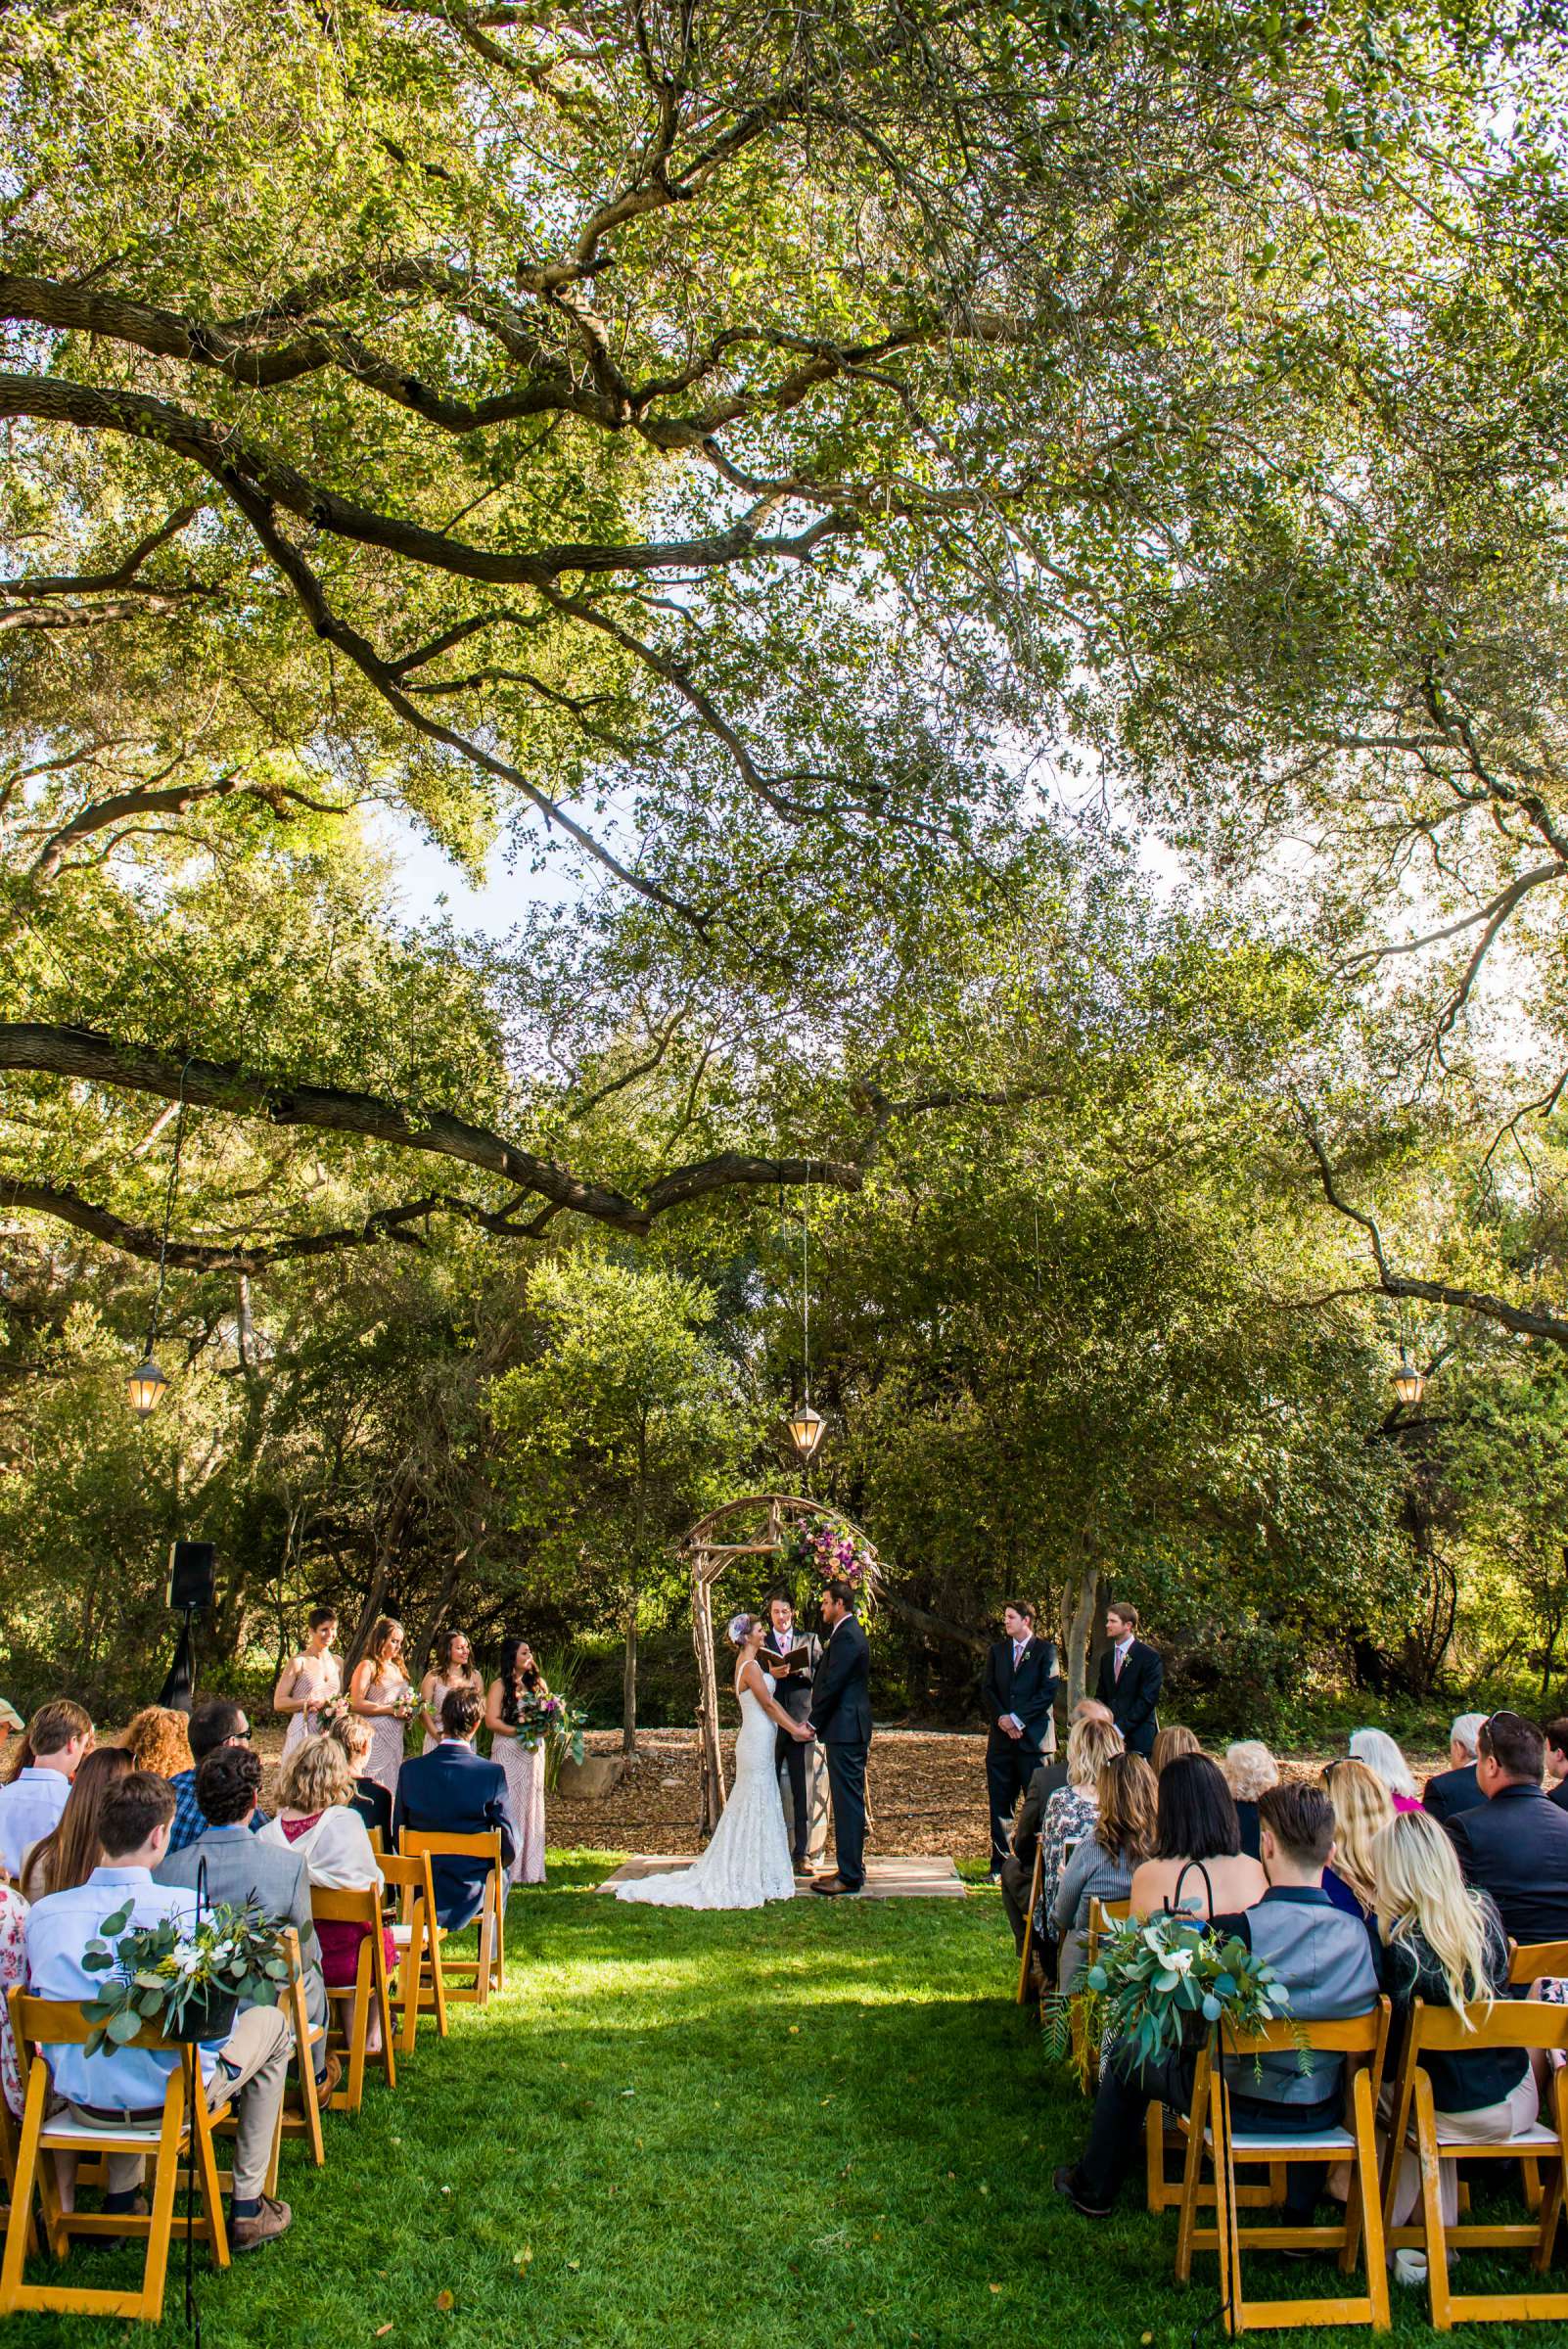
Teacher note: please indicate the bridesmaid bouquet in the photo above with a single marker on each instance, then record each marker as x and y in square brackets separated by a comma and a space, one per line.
[543, 1720]
[405, 1704]
[330, 1718]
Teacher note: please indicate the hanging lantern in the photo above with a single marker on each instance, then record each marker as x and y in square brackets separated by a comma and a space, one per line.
[145, 1386]
[1410, 1383]
[807, 1429]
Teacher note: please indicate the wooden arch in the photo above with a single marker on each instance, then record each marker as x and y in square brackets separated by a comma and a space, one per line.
[756, 1527]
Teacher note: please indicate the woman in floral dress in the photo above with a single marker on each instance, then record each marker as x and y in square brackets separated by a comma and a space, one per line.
[310, 1678]
[382, 1693]
[521, 1765]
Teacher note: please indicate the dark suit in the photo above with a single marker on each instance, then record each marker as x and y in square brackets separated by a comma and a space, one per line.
[1450, 1791]
[452, 1791]
[1019, 1866]
[1135, 1694]
[1026, 1689]
[841, 1716]
[1516, 1846]
[794, 1693]
[1558, 1794]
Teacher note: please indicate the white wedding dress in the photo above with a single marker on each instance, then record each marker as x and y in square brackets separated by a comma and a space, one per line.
[748, 1861]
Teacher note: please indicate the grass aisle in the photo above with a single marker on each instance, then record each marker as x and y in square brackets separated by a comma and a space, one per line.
[807, 2126]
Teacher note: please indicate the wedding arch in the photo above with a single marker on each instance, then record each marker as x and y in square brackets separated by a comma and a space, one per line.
[761, 1526]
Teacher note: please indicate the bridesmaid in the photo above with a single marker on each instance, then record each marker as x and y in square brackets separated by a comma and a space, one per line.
[382, 1693]
[308, 1680]
[453, 1668]
[524, 1770]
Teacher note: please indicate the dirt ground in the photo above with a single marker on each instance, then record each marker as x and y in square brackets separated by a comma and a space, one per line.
[926, 1790]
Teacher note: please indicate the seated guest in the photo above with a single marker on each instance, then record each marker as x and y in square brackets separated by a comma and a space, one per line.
[1557, 1762]
[1362, 1809]
[157, 1739]
[316, 1822]
[1444, 1945]
[216, 1725]
[242, 1867]
[1171, 1744]
[13, 1976]
[1515, 1844]
[58, 1735]
[1325, 1961]
[249, 2065]
[1101, 1868]
[370, 1797]
[73, 1848]
[1070, 1813]
[1450, 1791]
[10, 1724]
[1250, 1771]
[1197, 1846]
[452, 1792]
[1018, 1868]
[1377, 1749]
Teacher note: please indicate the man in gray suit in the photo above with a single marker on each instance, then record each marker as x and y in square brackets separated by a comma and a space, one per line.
[240, 1867]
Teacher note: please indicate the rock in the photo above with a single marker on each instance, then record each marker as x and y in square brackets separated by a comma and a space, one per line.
[592, 1779]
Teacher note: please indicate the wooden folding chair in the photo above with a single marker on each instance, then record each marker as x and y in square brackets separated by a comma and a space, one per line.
[370, 1990]
[1103, 1917]
[185, 2130]
[488, 1967]
[1527, 2024]
[1530, 1962]
[419, 1982]
[301, 2106]
[1028, 1951]
[1213, 2131]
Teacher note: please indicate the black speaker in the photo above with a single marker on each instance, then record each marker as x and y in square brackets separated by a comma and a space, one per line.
[192, 1574]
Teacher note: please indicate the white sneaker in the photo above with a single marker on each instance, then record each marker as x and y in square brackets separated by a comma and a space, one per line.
[1409, 2268]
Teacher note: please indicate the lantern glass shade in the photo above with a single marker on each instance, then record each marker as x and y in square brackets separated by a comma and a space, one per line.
[807, 1428]
[1410, 1383]
[146, 1387]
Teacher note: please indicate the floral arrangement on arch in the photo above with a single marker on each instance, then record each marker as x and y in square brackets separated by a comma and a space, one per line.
[832, 1554]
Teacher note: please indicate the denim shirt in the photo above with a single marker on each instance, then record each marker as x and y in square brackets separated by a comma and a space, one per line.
[58, 1929]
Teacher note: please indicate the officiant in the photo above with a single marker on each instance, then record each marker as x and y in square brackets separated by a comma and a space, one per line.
[780, 1642]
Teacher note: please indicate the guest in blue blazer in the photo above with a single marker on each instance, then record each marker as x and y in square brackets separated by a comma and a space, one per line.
[454, 1791]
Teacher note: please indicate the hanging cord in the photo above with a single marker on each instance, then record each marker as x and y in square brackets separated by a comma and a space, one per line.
[805, 1322]
[170, 1190]
[194, 2086]
[1223, 2166]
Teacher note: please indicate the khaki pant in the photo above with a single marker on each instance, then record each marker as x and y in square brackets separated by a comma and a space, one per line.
[1458, 2128]
[252, 2062]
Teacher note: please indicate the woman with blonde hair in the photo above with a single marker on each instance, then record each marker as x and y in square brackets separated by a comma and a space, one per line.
[382, 1693]
[316, 1819]
[1126, 1793]
[160, 1740]
[1444, 1945]
[1362, 1809]
[1169, 1745]
[1074, 1808]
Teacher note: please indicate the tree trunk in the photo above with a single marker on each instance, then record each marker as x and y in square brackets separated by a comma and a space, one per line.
[628, 1674]
[1079, 1613]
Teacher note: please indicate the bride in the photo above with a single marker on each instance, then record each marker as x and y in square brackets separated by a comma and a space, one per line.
[748, 1861]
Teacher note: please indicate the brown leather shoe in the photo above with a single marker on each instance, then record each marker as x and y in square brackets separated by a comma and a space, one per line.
[274, 2218]
[327, 2085]
[830, 1887]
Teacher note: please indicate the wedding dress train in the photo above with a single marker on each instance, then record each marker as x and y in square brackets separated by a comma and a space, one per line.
[748, 1861]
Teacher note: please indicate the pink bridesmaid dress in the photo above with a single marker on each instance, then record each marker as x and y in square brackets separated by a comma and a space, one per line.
[319, 1678]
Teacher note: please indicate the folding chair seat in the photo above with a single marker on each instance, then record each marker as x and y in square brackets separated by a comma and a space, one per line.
[369, 1994]
[1214, 2134]
[1103, 1917]
[419, 1983]
[1530, 2025]
[486, 1971]
[182, 2134]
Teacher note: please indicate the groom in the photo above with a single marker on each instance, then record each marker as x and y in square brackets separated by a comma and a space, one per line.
[841, 1716]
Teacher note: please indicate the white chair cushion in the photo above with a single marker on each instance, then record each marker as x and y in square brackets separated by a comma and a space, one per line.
[57, 2134]
[1251, 2144]
[1533, 2136]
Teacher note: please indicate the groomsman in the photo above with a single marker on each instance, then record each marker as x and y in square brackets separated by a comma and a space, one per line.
[1131, 1673]
[793, 1692]
[1019, 1689]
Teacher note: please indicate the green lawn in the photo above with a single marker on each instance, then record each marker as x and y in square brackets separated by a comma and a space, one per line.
[810, 2124]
